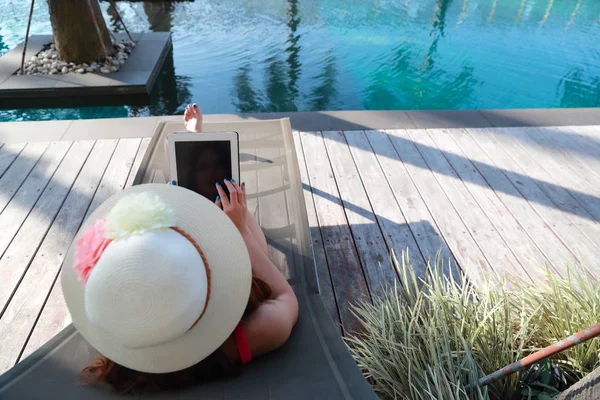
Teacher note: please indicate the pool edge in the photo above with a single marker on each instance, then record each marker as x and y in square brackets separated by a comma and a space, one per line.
[12, 132]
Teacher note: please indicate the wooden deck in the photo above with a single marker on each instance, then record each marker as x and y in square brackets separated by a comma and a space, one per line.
[490, 200]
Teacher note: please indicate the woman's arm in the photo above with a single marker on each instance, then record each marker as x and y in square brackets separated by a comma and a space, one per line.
[270, 325]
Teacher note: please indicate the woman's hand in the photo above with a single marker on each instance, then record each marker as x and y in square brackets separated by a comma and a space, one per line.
[235, 206]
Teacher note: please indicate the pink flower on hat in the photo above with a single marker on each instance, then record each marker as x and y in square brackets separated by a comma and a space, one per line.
[89, 248]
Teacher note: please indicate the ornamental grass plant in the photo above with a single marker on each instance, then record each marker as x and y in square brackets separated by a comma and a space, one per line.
[430, 338]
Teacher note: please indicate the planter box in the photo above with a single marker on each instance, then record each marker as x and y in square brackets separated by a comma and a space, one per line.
[132, 84]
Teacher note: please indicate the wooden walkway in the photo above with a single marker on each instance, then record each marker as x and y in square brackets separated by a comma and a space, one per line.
[492, 200]
[489, 201]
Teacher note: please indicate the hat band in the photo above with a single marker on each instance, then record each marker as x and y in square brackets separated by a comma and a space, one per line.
[206, 267]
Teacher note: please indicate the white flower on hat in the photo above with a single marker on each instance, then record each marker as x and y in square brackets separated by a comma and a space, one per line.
[136, 214]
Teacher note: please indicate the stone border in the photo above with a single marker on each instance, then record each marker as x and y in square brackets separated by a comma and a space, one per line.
[12, 132]
[358, 120]
[131, 85]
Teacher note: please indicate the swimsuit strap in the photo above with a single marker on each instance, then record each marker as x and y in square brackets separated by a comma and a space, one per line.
[242, 344]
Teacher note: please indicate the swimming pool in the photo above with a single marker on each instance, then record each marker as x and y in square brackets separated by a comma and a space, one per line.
[306, 55]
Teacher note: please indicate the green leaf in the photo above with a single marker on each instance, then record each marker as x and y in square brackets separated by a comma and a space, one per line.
[545, 372]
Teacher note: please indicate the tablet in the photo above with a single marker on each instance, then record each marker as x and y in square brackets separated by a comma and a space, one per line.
[198, 160]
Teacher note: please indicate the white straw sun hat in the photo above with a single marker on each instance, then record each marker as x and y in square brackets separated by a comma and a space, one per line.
[157, 278]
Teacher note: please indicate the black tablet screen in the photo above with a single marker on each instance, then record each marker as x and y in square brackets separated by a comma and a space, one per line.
[202, 164]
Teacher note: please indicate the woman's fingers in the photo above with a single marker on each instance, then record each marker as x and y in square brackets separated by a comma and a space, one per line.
[233, 193]
[245, 195]
[218, 202]
[241, 192]
[223, 196]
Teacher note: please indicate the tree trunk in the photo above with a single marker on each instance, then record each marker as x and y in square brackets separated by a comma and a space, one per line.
[76, 29]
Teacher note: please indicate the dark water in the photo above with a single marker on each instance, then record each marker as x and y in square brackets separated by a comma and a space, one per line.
[305, 55]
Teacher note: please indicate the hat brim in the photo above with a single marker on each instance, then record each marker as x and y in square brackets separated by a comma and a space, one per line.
[231, 277]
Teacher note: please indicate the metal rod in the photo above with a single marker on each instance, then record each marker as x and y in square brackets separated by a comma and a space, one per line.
[27, 36]
[114, 6]
[540, 355]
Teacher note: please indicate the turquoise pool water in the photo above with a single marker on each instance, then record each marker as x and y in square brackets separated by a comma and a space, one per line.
[304, 55]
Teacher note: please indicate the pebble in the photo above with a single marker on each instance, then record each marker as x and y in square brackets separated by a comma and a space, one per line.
[46, 62]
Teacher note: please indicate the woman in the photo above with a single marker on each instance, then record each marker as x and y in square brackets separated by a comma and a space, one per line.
[173, 290]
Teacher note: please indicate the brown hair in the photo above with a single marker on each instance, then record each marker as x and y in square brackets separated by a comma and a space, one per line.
[216, 366]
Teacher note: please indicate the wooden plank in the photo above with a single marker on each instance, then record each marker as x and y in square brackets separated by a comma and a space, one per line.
[560, 167]
[585, 136]
[583, 147]
[538, 230]
[560, 222]
[417, 215]
[368, 238]
[460, 240]
[524, 248]
[589, 131]
[580, 154]
[318, 248]
[274, 213]
[349, 284]
[137, 161]
[560, 197]
[8, 154]
[390, 216]
[15, 268]
[117, 173]
[23, 201]
[490, 241]
[18, 171]
[54, 316]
